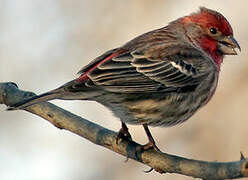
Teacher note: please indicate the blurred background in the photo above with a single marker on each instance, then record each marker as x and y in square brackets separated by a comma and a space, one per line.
[43, 43]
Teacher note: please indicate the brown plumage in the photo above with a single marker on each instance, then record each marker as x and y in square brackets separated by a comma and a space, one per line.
[160, 78]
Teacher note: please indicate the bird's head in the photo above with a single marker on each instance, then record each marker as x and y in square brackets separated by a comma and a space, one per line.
[212, 32]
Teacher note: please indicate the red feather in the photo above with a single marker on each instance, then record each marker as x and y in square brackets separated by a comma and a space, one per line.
[85, 77]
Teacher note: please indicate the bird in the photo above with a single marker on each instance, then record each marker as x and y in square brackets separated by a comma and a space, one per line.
[160, 78]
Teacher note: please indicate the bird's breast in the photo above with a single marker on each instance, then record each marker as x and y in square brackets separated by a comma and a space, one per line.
[172, 108]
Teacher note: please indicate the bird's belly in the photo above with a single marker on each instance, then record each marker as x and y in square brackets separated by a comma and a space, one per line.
[167, 111]
[156, 111]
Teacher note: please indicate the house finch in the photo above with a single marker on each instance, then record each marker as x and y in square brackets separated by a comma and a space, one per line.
[160, 78]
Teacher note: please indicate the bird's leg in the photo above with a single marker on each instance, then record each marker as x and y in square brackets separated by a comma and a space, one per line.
[123, 133]
[151, 143]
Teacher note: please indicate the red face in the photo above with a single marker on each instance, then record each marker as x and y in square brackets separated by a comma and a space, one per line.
[217, 38]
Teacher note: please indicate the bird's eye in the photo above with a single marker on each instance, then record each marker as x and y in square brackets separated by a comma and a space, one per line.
[213, 30]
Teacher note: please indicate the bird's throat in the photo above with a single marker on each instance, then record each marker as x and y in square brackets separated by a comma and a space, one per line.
[210, 47]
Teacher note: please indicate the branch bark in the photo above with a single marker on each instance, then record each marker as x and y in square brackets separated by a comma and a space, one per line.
[161, 162]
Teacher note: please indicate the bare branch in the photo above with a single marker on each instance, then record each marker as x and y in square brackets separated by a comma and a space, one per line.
[161, 162]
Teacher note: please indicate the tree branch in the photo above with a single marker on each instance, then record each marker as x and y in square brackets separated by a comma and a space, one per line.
[161, 162]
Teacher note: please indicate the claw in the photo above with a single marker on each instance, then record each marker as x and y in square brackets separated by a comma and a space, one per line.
[148, 171]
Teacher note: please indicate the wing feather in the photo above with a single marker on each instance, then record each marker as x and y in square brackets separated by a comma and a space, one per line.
[157, 66]
[126, 73]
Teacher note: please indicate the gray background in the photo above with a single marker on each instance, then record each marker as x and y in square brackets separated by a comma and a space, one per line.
[44, 43]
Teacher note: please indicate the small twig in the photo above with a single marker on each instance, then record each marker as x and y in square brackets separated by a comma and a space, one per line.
[161, 162]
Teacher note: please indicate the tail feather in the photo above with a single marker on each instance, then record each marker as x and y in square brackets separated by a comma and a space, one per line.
[72, 90]
[36, 99]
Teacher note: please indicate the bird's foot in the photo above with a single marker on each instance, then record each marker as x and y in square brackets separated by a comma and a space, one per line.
[123, 134]
[150, 145]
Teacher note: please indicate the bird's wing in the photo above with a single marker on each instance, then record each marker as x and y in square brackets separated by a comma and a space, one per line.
[137, 71]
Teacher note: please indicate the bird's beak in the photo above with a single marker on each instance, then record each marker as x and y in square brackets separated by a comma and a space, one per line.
[227, 45]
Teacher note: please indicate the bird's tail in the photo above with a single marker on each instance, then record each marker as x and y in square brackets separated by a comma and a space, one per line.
[71, 90]
[54, 94]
